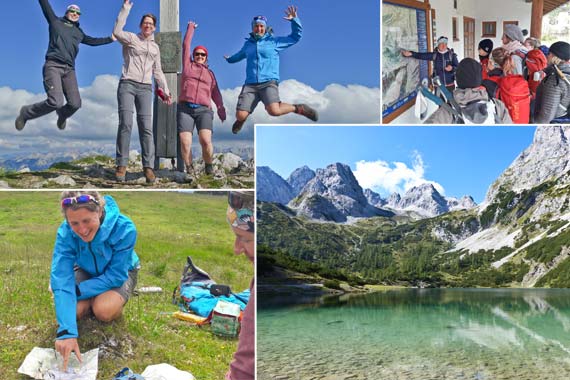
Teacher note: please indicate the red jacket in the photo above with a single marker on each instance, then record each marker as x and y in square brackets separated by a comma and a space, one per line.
[199, 84]
[243, 365]
[484, 69]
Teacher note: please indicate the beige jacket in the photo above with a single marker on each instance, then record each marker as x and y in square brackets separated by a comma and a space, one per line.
[141, 55]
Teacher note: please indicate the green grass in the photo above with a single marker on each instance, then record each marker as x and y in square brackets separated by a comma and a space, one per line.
[170, 227]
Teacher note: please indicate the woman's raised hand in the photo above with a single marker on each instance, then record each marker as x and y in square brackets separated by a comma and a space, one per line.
[128, 4]
[290, 13]
[192, 24]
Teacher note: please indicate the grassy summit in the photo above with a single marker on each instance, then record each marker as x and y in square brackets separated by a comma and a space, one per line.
[170, 227]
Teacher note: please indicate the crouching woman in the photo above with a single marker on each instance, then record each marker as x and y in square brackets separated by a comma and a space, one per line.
[94, 265]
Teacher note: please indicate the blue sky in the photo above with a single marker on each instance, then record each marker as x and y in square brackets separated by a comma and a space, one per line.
[328, 52]
[464, 160]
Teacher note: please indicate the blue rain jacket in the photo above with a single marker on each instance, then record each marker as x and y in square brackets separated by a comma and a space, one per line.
[263, 54]
[108, 258]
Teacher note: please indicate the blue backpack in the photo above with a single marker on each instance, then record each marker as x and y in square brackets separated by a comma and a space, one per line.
[199, 294]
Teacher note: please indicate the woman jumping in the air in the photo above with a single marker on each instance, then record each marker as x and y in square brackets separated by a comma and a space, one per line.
[262, 51]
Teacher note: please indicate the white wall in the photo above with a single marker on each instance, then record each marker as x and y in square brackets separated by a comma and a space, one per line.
[480, 10]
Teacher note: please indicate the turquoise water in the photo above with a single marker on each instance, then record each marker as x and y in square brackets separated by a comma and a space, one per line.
[417, 334]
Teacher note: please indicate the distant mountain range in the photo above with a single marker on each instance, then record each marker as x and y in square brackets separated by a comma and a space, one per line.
[518, 236]
[333, 194]
[42, 161]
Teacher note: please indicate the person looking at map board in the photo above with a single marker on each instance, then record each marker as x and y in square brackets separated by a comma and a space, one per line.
[445, 62]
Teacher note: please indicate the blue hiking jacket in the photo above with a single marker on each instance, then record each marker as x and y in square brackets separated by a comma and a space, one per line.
[263, 54]
[441, 60]
[107, 258]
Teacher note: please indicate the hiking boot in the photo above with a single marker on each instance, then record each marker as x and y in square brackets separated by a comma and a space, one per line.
[307, 111]
[121, 173]
[149, 175]
[61, 122]
[20, 120]
[209, 169]
[237, 126]
[189, 168]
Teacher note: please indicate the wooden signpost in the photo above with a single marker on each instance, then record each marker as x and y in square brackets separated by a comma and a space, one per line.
[164, 117]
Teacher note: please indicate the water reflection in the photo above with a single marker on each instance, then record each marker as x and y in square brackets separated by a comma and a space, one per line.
[453, 333]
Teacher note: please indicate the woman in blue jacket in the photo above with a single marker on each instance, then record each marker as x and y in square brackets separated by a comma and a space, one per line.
[94, 266]
[445, 62]
[261, 49]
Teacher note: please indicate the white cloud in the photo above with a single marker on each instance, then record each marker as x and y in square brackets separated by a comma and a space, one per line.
[95, 125]
[385, 178]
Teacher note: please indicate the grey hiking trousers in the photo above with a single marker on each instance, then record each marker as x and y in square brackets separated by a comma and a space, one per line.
[59, 82]
[133, 95]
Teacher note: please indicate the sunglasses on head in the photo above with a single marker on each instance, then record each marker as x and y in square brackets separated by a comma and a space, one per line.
[74, 11]
[80, 199]
[236, 200]
[260, 18]
[198, 54]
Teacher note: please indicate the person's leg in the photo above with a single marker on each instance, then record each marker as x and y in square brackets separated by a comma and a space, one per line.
[185, 130]
[247, 101]
[205, 124]
[205, 136]
[269, 94]
[71, 92]
[108, 306]
[83, 308]
[126, 101]
[278, 109]
[143, 104]
[52, 74]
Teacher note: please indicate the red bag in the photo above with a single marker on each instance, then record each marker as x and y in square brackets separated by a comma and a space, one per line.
[514, 92]
[536, 62]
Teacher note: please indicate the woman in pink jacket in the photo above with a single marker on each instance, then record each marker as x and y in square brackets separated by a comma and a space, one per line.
[198, 88]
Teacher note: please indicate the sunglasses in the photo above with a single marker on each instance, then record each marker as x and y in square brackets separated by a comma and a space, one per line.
[260, 18]
[74, 11]
[80, 199]
[236, 200]
[200, 54]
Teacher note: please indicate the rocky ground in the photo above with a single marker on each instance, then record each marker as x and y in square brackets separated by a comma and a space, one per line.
[230, 172]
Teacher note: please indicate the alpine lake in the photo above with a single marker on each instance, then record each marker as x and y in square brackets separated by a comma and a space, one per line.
[401, 334]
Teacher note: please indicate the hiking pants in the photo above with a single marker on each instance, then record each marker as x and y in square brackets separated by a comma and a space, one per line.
[133, 95]
[59, 82]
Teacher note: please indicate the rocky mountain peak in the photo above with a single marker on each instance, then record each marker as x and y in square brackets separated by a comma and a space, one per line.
[334, 194]
[393, 200]
[548, 157]
[374, 198]
[299, 178]
[271, 187]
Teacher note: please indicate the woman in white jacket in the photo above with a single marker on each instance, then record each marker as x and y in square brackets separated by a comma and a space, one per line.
[141, 56]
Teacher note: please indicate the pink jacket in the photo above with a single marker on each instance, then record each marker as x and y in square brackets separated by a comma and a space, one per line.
[141, 55]
[243, 365]
[199, 83]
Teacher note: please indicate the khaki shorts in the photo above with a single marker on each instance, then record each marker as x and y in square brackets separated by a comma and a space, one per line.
[251, 94]
[125, 290]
